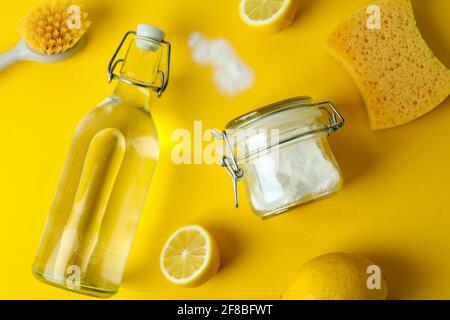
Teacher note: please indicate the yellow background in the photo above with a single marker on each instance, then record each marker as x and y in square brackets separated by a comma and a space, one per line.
[393, 208]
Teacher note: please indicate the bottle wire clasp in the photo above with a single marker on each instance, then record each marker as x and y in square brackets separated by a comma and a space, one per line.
[163, 74]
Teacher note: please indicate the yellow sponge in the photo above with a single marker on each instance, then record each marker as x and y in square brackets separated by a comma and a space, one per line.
[399, 77]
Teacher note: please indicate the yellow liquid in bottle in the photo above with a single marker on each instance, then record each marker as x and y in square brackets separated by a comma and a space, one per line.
[98, 203]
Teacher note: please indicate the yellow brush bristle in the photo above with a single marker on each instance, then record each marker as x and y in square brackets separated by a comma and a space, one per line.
[49, 28]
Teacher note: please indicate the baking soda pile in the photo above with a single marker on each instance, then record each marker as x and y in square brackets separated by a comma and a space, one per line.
[232, 76]
[296, 173]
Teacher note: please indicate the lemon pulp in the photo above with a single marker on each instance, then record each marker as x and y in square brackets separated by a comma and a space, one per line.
[190, 257]
[268, 15]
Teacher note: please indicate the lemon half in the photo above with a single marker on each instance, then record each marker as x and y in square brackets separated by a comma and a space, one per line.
[268, 15]
[190, 257]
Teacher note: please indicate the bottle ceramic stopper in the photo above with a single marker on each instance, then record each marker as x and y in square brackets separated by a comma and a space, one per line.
[148, 32]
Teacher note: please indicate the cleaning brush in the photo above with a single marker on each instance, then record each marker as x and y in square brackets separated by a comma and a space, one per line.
[54, 27]
[51, 32]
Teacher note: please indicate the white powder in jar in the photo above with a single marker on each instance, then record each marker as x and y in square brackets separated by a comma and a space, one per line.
[298, 173]
[231, 75]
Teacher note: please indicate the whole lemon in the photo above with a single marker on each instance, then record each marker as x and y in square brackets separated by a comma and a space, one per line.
[337, 276]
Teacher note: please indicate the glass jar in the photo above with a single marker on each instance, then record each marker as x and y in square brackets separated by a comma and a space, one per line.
[282, 153]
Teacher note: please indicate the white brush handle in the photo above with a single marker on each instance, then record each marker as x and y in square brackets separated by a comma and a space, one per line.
[11, 56]
[23, 52]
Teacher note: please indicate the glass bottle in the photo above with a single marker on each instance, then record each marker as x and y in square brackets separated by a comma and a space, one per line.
[96, 208]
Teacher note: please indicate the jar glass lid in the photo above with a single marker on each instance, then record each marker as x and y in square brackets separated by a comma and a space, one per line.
[246, 120]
